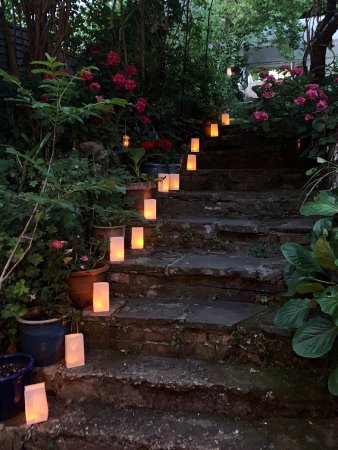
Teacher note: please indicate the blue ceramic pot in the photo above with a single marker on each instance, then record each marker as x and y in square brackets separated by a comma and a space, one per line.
[12, 386]
[44, 339]
[152, 168]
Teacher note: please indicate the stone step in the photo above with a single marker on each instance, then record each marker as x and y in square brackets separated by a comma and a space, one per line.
[232, 234]
[276, 204]
[93, 426]
[217, 179]
[235, 332]
[187, 385]
[203, 275]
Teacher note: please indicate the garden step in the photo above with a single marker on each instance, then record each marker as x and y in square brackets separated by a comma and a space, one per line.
[205, 329]
[240, 179]
[93, 426]
[255, 236]
[202, 275]
[230, 203]
[187, 385]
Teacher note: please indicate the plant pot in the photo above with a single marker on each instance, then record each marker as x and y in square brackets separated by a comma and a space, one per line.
[12, 385]
[81, 282]
[175, 168]
[43, 339]
[138, 192]
[153, 168]
[105, 233]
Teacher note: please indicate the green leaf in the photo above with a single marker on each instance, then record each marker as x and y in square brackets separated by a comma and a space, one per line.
[314, 338]
[293, 313]
[323, 253]
[20, 288]
[328, 302]
[302, 259]
[324, 204]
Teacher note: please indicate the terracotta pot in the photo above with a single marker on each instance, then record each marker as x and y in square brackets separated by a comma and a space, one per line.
[138, 192]
[81, 285]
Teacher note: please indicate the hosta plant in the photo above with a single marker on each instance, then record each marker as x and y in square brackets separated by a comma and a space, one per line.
[312, 279]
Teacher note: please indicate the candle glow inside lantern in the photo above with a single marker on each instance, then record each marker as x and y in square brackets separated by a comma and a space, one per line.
[214, 130]
[191, 162]
[117, 248]
[226, 119]
[174, 181]
[125, 141]
[229, 71]
[137, 239]
[163, 186]
[36, 405]
[74, 350]
[195, 145]
[150, 208]
[100, 297]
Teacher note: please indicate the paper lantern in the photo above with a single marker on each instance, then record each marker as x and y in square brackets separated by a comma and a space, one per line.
[74, 350]
[226, 119]
[137, 240]
[163, 186]
[191, 162]
[214, 130]
[36, 405]
[229, 71]
[125, 141]
[150, 208]
[174, 181]
[100, 297]
[195, 145]
[117, 248]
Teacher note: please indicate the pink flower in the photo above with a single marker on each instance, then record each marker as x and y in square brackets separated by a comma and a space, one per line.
[129, 85]
[86, 75]
[94, 86]
[263, 74]
[266, 86]
[82, 267]
[84, 258]
[285, 68]
[280, 82]
[57, 244]
[43, 99]
[99, 98]
[322, 104]
[32, 297]
[259, 116]
[299, 100]
[112, 59]
[145, 120]
[268, 94]
[131, 70]
[297, 71]
[312, 86]
[119, 80]
[311, 94]
[271, 78]
[141, 105]
[308, 117]
[322, 95]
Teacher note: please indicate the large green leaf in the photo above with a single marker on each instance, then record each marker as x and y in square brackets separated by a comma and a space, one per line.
[328, 302]
[315, 337]
[302, 259]
[324, 204]
[323, 253]
[293, 313]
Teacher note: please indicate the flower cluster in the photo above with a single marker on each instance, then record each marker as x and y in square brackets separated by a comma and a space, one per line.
[161, 144]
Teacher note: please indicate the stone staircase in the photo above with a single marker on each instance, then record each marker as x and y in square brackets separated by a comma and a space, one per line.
[188, 356]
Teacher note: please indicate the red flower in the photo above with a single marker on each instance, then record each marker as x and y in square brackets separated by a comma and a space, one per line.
[259, 116]
[119, 80]
[129, 85]
[145, 119]
[285, 67]
[268, 94]
[86, 75]
[297, 71]
[57, 244]
[141, 105]
[48, 76]
[131, 70]
[299, 100]
[94, 49]
[265, 86]
[311, 94]
[43, 99]
[112, 59]
[94, 86]
[263, 74]
[322, 104]
[147, 145]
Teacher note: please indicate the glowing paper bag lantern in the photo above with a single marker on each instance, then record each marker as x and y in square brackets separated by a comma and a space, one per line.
[214, 130]
[174, 181]
[150, 208]
[229, 71]
[163, 186]
[100, 297]
[137, 240]
[125, 141]
[191, 162]
[226, 119]
[36, 405]
[195, 145]
[74, 354]
[117, 248]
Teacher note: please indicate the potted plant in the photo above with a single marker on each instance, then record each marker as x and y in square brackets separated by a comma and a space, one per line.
[15, 374]
[157, 156]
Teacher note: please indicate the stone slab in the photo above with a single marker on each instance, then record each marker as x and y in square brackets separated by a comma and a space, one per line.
[152, 311]
[114, 307]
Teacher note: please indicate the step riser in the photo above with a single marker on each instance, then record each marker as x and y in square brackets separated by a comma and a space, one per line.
[236, 158]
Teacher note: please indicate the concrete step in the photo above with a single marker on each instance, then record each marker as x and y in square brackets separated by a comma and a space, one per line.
[236, 332]
[233, 234]
[218, 179]
[93, 426]
[187, 385]
[277, 204]
[203, 275]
